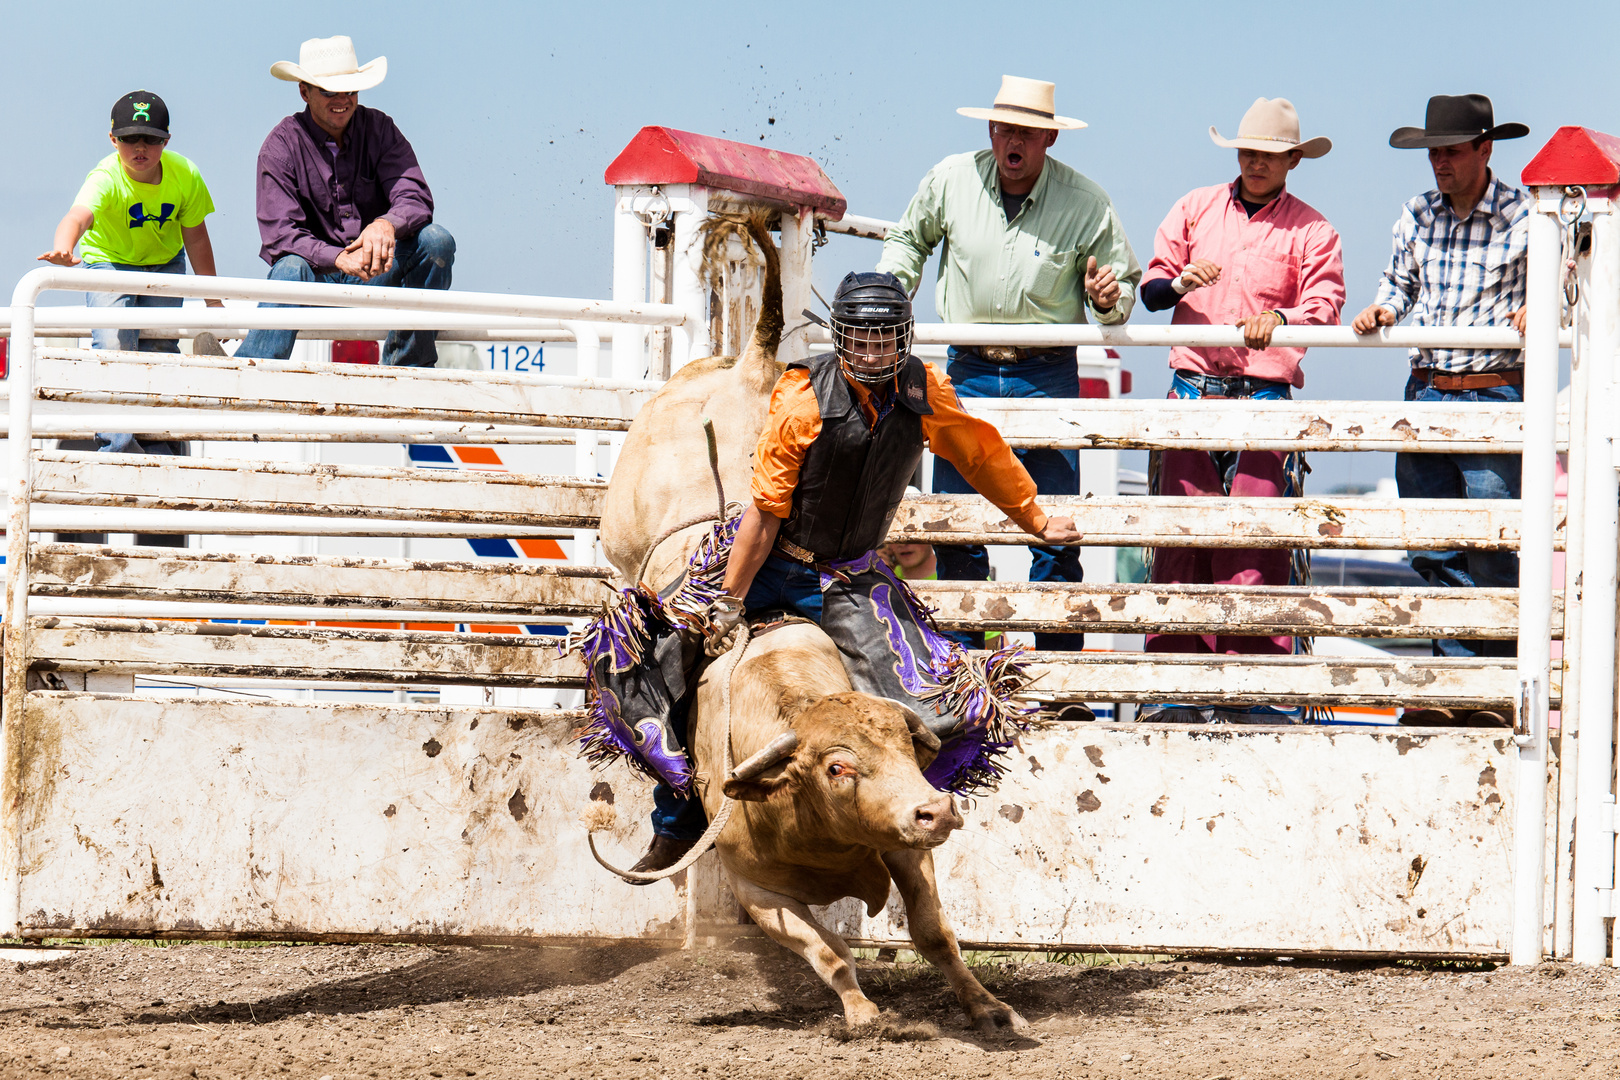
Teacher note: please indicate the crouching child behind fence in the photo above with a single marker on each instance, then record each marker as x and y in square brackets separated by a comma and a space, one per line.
[141, 208]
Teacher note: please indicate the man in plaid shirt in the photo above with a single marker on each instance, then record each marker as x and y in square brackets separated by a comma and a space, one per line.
[1459, 260]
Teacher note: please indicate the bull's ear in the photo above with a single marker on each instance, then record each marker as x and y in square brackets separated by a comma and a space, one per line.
[923, 741]
[754, 790]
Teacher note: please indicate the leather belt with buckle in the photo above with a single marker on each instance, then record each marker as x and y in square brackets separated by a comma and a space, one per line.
[1482, 380]
[1006, 354]
[798, 554]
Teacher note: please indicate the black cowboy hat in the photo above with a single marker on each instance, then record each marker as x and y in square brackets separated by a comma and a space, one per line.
[1453, 120]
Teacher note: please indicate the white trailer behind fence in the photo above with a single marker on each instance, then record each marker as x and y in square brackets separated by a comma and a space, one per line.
[429, 814]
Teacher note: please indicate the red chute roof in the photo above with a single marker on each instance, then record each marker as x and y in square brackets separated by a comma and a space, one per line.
[1575, 155]
[661, 155]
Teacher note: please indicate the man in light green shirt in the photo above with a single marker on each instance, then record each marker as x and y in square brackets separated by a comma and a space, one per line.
[1026, 239]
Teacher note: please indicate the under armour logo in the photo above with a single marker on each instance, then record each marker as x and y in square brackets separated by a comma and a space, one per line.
[141, 108]
[138, 215]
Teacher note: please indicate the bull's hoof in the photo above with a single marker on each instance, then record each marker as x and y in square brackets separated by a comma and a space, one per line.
[662, 853]
[997, 1016]
[860, 1015]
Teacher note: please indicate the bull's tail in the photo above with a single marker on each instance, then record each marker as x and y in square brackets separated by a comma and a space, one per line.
[759, 360]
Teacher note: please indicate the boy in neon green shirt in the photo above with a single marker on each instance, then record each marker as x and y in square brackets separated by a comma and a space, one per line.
[137, 210]
[141, 208]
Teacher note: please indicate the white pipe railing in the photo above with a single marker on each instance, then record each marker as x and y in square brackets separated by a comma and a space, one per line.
[236, 320]
[120, 519]
[332, 296]
[1313, 337]
[854, 225]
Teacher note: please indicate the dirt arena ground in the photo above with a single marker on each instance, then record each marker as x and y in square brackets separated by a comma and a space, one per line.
[204, 1011]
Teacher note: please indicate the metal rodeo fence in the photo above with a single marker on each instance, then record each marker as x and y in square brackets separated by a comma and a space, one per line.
[125, 813]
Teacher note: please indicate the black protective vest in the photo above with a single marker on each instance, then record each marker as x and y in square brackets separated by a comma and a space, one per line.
[854, 476]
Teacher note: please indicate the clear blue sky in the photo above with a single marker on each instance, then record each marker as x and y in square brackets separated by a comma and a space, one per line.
[515, 109]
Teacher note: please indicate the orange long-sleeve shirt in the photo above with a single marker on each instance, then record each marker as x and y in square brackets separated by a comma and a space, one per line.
[974, 446]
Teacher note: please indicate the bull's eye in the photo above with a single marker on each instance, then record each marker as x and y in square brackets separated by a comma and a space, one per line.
[837, 769]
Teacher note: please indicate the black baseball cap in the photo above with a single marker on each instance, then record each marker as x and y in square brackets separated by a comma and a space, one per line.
[140, 113]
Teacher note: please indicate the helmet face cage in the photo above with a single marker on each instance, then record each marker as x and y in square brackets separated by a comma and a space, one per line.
[871, 350]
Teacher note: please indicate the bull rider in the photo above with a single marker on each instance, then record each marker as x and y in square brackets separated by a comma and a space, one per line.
[846, 433]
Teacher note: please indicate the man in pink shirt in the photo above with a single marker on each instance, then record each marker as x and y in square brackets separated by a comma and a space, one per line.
[1248, 254]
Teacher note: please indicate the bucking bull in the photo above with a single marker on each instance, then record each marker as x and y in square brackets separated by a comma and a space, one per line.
[847, 810]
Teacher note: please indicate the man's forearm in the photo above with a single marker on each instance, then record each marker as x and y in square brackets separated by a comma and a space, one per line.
[756, 535]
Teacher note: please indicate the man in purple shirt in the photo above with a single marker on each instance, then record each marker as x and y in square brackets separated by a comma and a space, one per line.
[341, 198]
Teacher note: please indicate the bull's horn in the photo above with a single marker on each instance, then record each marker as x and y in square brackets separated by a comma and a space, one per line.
[919, 730]
[777, 750]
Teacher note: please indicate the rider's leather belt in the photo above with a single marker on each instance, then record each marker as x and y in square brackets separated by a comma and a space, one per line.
[789, 549]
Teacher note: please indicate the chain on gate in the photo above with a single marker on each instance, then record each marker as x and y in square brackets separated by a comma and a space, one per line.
[1570, 209]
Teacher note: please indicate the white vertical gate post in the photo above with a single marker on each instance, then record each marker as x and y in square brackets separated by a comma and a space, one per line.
[798, 228]
[1569, 704]
[1594, 802]
[12, 718]
[629, 283]
[1544, 299]
[688, 291]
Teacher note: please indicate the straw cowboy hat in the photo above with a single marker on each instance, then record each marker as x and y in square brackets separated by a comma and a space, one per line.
[330, 64]
[1027, 103]
[1450, 121]
[1273, 128]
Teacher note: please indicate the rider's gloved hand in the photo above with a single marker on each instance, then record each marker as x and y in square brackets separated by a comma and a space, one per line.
[725, 615]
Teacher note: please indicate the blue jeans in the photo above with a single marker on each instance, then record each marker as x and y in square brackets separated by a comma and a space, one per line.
[130, 340]
[422, 261]
[1055, 472]
[1463, 476]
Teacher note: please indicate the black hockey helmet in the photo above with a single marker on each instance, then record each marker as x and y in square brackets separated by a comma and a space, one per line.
[871, 325]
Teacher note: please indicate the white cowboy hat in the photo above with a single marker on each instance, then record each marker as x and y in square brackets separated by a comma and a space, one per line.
[1027, 103]
[1273, 128]
[330, 64]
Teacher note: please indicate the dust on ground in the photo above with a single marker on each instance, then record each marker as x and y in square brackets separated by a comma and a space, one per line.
[203, 1011]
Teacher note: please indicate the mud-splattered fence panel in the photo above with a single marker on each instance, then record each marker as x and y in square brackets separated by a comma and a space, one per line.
[1245, 424]
[1228, 609]
[80, 570]
[1138, 521]
[1300, 841]
[159, 647]
[319, 820]
[330, 821]
[91, 377]
[270, 487]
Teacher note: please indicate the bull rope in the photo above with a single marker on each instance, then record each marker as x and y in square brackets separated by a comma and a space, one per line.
[712, 833]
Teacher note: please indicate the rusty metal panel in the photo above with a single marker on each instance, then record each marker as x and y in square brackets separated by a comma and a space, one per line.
[1143, 521]
[145, 646]
[1299, 842]
[288, 819]
[1264, 425]
[276, 487]
[336, 390]
[151, 573]
[297, 652]
[1334, 680]
[1228, 609]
